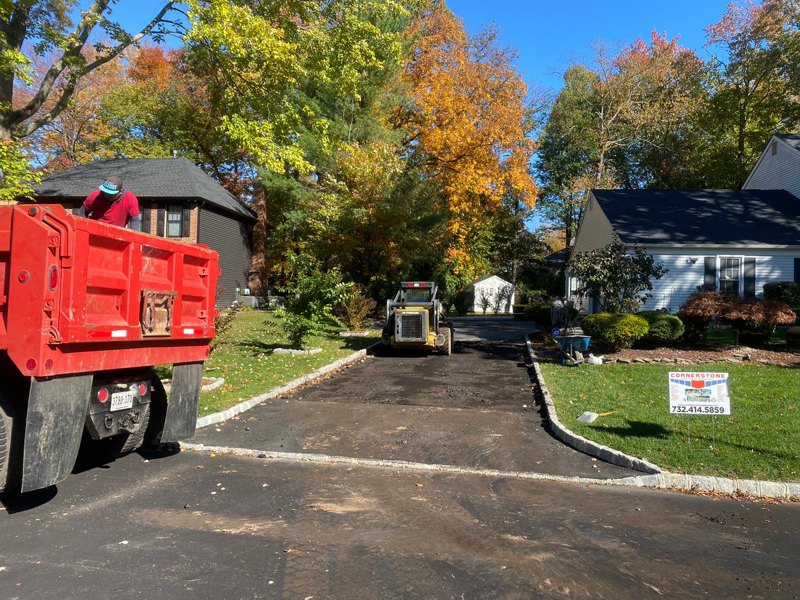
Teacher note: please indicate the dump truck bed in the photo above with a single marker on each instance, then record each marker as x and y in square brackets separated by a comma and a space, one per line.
[78, 295]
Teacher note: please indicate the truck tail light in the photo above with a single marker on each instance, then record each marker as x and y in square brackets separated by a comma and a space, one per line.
[52, 280]
[102, 395]
[142, 389]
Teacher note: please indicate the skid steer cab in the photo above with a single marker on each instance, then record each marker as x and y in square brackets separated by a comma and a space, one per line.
[415, 319]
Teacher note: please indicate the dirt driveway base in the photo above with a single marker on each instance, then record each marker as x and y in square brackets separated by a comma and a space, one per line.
[472, 409]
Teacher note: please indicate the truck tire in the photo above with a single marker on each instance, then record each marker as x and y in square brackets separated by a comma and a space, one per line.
[133, 441]
[10, 445]
[158, 412]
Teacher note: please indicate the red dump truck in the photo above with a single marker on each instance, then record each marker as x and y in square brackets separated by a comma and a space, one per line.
[86, 311]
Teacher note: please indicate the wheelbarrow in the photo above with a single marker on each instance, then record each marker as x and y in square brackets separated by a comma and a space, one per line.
[572, 347]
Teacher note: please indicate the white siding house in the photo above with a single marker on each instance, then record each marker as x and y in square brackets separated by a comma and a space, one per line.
[687, 270]
[491, 288]
[778, 168]
[724, 240]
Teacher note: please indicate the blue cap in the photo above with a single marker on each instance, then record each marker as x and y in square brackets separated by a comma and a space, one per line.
[111, 186]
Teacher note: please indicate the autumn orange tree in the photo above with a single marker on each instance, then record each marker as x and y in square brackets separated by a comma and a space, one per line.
[468, 125]
[78, 133]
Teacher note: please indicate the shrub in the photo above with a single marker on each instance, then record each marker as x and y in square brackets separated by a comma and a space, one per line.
[463, 302]
[539, 314]
[616, 330]
[695, 329]
[223, 322]
[354, 307]
[502, 298]
[484, 300]
[619, 276]
[309, 302]
[664, 327]
[783, 291]
[742, 314]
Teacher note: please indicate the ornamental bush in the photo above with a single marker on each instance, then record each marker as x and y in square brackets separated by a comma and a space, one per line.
[742, 314]
[664, 327]
[615, 330]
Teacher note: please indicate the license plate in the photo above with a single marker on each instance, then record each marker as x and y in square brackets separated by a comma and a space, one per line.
[122, 400]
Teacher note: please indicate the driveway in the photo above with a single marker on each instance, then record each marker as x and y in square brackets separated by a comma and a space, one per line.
[473, 409]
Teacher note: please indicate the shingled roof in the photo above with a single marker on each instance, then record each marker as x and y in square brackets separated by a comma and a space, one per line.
[161, 178]
[793, 139]
[725, 217]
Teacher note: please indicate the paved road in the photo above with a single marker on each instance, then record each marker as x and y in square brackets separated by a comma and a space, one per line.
[197, 525]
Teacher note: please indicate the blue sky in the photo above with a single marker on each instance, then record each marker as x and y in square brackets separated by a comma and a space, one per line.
[550, 35]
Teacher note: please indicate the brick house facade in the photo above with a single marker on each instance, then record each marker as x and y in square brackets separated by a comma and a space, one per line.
[176, 200]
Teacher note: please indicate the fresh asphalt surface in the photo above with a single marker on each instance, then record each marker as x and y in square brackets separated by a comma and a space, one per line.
[197, 525]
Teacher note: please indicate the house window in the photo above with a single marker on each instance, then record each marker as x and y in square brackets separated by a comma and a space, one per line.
[174, 221]
[145, 213]
[730, 275]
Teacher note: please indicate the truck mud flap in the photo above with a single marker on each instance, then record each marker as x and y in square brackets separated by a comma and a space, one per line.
[181, 418]
[56, 413]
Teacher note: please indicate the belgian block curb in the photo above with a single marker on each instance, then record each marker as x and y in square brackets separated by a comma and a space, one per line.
[656, 477]
[219, 417]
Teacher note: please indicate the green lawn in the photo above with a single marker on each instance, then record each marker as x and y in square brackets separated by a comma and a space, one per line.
[759, 440]
[244, 356]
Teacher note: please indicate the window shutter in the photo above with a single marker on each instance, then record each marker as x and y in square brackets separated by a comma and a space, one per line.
[710, 276]
[145, 210]
[160, 221]
[749, 272]
[797, 270]
[185, 213]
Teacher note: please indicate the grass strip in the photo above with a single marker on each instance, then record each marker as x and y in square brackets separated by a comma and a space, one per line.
[759, 440]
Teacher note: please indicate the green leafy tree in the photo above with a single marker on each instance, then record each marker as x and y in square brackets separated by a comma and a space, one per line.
[618, 277]
[16, 177]
[752, 76]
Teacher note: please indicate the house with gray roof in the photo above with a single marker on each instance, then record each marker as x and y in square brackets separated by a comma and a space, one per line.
[177, 200]
[731, 241]
[778, 167]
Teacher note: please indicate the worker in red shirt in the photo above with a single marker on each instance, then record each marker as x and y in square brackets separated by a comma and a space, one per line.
[113, 205]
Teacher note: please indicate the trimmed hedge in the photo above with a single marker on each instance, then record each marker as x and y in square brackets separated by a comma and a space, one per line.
[539, 314]
[616, 330]
[664, 327]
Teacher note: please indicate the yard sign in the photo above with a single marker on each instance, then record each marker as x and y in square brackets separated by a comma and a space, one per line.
[699, 394]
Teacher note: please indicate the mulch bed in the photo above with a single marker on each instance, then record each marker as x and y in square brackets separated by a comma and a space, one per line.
[547, 351]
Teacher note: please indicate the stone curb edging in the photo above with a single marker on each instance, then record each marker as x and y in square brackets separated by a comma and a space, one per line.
[578, 442]
[219, 417]
[657, 477]
[218, 382]
[761, 489]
